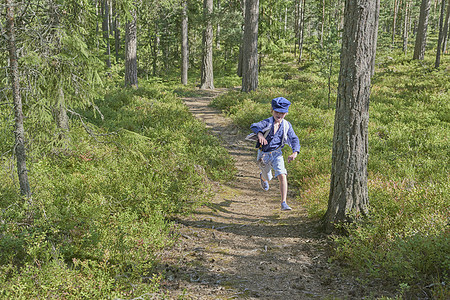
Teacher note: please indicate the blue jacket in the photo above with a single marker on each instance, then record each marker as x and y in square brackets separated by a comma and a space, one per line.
[284, 135]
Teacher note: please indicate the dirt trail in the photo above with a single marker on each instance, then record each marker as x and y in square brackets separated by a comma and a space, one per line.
[242, 246]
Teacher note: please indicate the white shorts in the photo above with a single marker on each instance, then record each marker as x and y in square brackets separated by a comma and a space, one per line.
[271, 160]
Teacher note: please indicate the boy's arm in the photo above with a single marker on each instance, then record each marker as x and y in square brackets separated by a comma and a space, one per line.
[293, 141]
[259, 127]
[292, 156]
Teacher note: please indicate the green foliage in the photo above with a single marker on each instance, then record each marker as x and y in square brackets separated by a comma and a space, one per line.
[103, 196]
[406, 239]
[101, 203]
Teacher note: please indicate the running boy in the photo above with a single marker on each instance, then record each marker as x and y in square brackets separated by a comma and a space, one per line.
[273, 133]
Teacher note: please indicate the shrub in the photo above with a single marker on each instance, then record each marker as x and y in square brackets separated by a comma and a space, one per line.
[102, 203]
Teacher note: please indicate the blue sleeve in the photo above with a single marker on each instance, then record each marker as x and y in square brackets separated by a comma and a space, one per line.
[293, 140]
[259, 126]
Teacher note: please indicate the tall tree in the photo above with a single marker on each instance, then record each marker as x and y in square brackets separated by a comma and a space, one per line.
[301, 28]
[421, 37]
[155, 45]
[207, 76]
[322, 24]
[105, 29]
[131, 79]
[348, 190]
[218, 28]
[184, 43]
[445, 30]
[19, 130]
[406, 24]
[241, 46]
[441, 35]
[250, 47]
[55, 83]
[116, 35]
[394, 21]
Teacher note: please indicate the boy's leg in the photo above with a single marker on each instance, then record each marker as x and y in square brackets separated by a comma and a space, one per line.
[280, 173]
[283, 190]
[282, 178]
[265, 165]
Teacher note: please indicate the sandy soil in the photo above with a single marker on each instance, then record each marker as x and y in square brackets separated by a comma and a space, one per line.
[242, 246]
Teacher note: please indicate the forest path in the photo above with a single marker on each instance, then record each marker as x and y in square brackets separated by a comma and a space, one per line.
[242, 246]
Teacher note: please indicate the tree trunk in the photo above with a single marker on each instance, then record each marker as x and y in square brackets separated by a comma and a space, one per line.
[375, 34]
[348, 189]
[207, 76]
[421, 38]
[285, 20]
[184, 44]
[323, 23]
[111, 19]
[105, 29]
[241, 46]
[19, 131]
[250, 50]
[394, 21]
[154, 44]
[218, 26]
[302, 31]
[445, 33]
[59, 109]
[62, 120]
[296, 25]
[117, 37]
[166, 48]
[406, 27]
[441, 32]
[131, 79]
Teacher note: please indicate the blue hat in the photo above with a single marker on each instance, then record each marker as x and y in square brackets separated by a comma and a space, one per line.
[280, 104]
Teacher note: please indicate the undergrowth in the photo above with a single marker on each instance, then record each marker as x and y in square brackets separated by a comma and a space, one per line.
[406, 240]
[103, 196]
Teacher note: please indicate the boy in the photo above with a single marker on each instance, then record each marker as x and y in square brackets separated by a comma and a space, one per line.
[273, 133]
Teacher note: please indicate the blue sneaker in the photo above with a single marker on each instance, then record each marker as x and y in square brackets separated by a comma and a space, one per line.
[284, 206]
[264, 184]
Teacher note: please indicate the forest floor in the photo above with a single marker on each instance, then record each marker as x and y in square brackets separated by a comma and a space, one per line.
[242, 246]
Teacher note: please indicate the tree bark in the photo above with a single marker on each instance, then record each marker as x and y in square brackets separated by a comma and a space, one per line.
[445, 33]
[184, 44]
[105, 29]
[241, 46]
[348, 189]
[296, 25]
[441, 32]
[406, 27]
[250, 50]
[131, 79]
[375, 34]
[19, 131]
[421, 38]
[117, 37]
[394, 21]
[218, 28]
[62, 120]
[302, 30]
[322, 26]
[207, 76]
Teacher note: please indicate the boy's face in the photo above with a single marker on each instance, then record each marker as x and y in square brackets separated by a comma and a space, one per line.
[278, 116]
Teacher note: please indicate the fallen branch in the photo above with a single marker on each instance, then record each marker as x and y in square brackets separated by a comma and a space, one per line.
[90, 131]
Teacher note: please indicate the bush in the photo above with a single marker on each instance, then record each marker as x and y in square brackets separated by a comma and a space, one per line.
[102, 203]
